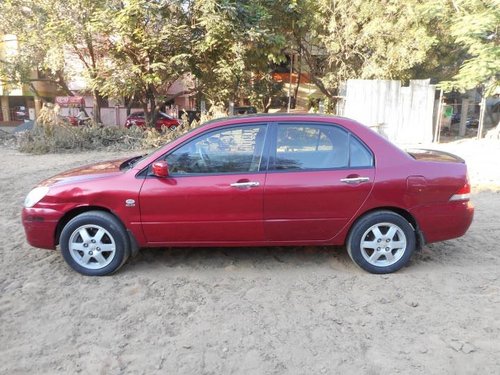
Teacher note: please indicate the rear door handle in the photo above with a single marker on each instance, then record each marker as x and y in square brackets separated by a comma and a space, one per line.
[355, 180]
[248, 184]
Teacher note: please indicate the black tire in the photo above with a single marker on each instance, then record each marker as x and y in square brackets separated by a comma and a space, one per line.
[104, 250]
[390, 235]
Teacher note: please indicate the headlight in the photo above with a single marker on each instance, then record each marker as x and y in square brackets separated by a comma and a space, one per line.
[35, 195]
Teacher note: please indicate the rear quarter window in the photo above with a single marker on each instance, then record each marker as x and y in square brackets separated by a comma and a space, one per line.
[359, 155]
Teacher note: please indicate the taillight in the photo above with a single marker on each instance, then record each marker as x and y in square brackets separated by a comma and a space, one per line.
[463, 194]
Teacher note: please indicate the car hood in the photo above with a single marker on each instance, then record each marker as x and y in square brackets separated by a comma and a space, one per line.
[87, 172]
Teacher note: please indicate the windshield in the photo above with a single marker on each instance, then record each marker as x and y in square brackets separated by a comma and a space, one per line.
[130, 163]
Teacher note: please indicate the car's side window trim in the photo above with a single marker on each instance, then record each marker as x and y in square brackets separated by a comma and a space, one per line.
[272, 145]
[273, 135]
[264, 160]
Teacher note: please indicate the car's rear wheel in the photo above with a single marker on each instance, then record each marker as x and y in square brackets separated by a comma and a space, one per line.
[95, 243]
[381, 242]
[172, 127]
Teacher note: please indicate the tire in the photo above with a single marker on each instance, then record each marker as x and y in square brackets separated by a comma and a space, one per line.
[95, 243]
[172, 128]
[381, 242]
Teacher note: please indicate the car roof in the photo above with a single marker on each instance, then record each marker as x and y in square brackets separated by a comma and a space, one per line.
[277, 117]
[365, 133]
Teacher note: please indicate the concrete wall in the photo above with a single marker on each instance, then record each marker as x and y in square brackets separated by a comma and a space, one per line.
[402, 114]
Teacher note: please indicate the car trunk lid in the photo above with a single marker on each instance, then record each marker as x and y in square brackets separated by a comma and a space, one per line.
[434, 155]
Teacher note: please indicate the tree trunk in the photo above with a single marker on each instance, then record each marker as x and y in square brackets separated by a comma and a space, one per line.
[61, 82]
[146, 113]
[296, 90]
[267, 105]
[129, 105]
[96, 106]
[309, 60]
[150, 112]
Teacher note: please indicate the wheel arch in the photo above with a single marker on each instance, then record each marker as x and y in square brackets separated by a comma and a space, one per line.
[419, 236]
[68, 216]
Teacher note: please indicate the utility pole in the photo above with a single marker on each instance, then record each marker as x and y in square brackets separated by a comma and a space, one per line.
[437, 132]
[482, 109]
[290, 84]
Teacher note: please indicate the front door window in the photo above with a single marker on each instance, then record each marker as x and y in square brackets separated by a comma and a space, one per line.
[232, 150]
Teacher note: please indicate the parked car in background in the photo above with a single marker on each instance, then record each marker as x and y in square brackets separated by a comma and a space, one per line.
[259, 180]
[73, 120]
[163, 120]
[471, 122]
[20, 113]
[248, 110]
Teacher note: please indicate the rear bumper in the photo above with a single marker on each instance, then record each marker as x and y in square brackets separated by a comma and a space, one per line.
[40, 227]
[441, 222]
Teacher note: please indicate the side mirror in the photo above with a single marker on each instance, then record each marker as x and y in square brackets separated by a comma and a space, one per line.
[160, 168]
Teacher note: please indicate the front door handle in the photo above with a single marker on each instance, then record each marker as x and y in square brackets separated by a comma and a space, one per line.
[355, 180]
[248, 184]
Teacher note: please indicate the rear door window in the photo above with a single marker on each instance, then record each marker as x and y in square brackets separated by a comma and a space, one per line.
[301, 147]
[315, 146]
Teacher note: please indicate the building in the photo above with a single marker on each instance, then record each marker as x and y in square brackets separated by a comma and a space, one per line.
[19, 103]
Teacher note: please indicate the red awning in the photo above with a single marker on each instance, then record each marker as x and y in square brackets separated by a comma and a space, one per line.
[70, 100]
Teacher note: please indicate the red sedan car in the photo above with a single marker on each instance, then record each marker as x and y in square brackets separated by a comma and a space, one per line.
[261, 180]
[137, 119]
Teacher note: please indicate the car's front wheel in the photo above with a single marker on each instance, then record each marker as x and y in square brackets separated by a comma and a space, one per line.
[381, 242]
[95, 243]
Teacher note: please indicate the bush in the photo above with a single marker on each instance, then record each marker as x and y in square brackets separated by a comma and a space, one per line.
[41, 140]
[56, 136]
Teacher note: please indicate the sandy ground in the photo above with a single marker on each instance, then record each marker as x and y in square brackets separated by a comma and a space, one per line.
[251, 311]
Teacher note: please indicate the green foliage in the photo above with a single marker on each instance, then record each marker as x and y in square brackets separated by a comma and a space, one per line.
[364, 39]
[136, 49]
[475, 26]
[232, 42]
[263, 89]
[147, 49]
[27, 21]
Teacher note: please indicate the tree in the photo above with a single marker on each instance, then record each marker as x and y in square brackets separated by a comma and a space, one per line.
[475, 27]
[52, 35]
[262, 91]
[147, 50]
[34, 52]
[71, 24]
[362, 39]
[233, 43]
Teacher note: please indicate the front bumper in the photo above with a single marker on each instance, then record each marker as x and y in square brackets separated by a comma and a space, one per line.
[40, 226]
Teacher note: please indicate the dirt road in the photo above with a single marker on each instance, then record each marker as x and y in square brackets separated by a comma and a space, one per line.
[251, 311]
